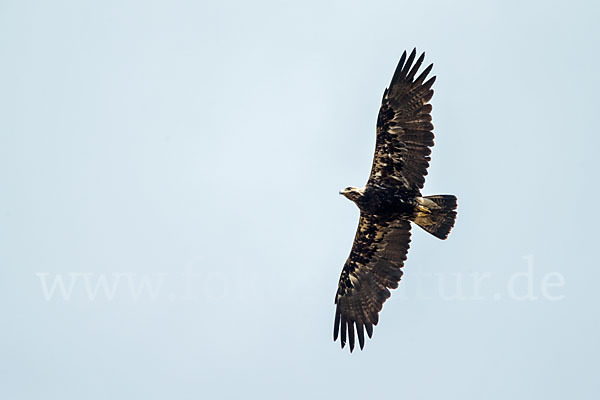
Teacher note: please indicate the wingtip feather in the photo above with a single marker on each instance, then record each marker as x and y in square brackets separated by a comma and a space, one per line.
[424, 74]
[369, 328]
[399, 69]
[336, 323]
[415, 67]
[361, 335]
[351, 335]
[409, 62]
[343, 333]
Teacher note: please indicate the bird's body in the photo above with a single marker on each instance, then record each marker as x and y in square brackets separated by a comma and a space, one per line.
[390, 201]
[386, 200]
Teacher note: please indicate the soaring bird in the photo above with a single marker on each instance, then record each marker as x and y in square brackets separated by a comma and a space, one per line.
[389, 202]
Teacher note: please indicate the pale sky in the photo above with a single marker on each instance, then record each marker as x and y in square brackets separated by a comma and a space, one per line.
[176, 166]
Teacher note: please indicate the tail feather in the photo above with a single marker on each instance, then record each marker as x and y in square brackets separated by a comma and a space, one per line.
[436, 214]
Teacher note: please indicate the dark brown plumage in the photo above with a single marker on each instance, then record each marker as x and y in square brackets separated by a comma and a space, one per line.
[389, 201]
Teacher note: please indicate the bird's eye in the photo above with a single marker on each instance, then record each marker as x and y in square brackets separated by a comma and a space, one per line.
[349, 188]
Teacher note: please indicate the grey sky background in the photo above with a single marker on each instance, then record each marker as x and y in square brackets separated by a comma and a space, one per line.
[146, 140]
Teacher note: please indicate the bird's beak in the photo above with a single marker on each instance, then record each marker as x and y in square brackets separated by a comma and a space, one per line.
[341, 192]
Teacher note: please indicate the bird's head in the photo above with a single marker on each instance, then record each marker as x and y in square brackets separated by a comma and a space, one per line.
[352, 193]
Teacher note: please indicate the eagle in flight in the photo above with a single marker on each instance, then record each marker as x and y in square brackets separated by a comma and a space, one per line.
[390, 200]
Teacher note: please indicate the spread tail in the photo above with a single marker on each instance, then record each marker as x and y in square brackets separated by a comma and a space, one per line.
[436, 214]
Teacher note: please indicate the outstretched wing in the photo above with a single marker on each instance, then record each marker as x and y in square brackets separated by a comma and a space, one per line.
[373, 267]
[404, 128]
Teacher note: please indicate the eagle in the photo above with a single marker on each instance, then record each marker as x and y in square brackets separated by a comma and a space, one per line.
[389, 201]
